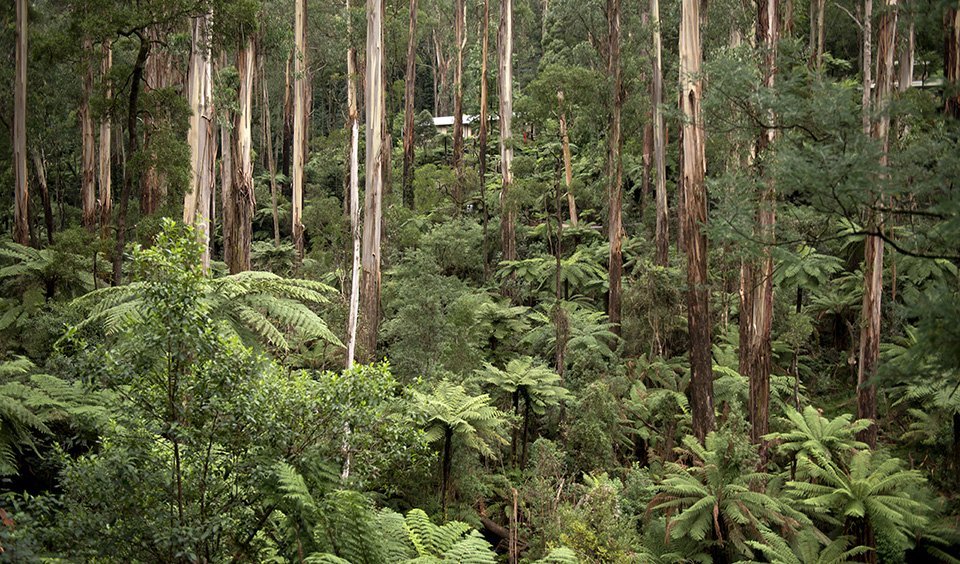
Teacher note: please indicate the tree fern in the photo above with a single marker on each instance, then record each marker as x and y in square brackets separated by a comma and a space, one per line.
[814, 436]
[256, 306]
[873, 491]
[807, 548]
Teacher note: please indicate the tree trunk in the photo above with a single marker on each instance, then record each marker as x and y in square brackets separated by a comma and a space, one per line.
[299, 122]
[40, 169]
[659, 141]
[508, 233]
[446, 459]
[873, 246]
[88, 187]
[354, 188]
[695, 215]
[460, 35]
[132, 147]
[951, 58]
[150, 185]
[21, 209]
[375, 102]
[106, 203]
[268, 140]
[866, 65]
[482, 136]
[614, 167]
[238, 201]
[409, 91]
[567, 160]
[759, 364]
[196, 202]
[287, 142]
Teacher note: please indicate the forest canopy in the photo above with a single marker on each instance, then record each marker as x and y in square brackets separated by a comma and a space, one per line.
[480, 281]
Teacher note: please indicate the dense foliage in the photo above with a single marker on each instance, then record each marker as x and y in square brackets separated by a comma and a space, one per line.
[172, 409]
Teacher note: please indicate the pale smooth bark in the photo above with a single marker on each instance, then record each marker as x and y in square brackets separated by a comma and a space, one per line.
[238, 201]
[409, 91]
[614, 167]
[196, 202]
[695, 215]
[353, 182]
[21, 209]
[659, 142]
[299, 121]
[567, 160]
[104, 195]
[375, 105]
[869, 357]
[507, 213]
[88, 156]
[460, 36]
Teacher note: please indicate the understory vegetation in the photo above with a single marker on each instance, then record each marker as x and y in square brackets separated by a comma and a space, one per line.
[616, 330]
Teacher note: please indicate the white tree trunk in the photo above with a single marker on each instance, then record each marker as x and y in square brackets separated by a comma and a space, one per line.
[197, 201]
[299, 121]
[105, 197]
[375, 105]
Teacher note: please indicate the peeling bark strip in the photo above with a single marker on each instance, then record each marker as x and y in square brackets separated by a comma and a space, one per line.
[370, 261]
[106, 203]
[873, 246]
[196, 202]
[695, 215]
[409, 91]
[299, 121]
[614, 167]
[21, 208]
[238, 199]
